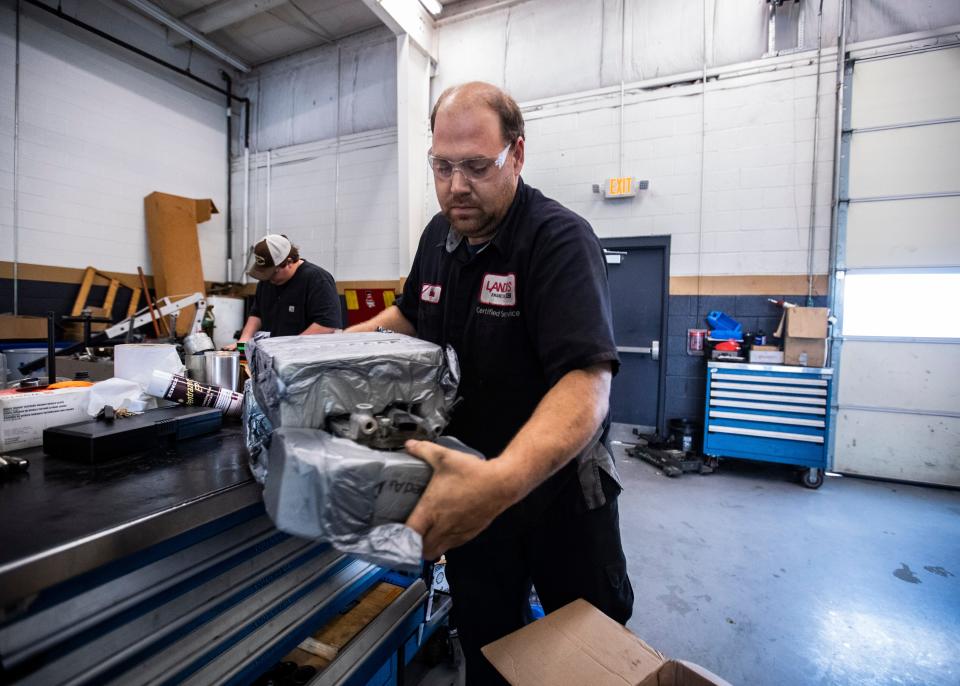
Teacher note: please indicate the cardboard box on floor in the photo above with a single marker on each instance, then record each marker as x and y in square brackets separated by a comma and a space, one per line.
[578, 644]
[175, 248]
[804, 331]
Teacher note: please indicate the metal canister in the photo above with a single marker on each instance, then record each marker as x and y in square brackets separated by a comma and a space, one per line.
[195, 365]
[222, 369]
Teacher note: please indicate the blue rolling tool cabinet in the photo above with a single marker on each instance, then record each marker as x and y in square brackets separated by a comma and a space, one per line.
[770, 413]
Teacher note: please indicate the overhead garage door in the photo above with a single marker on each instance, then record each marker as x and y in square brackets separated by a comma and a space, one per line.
[898, 397]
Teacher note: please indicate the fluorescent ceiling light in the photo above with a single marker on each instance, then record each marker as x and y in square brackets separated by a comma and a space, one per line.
[432, 6]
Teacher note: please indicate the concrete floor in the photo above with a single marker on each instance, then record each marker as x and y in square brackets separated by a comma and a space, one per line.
[766, 582]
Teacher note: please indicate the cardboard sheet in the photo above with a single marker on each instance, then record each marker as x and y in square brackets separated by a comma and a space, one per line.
[175, 248]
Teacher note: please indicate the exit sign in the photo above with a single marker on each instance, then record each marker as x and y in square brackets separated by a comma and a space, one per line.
[620, 187]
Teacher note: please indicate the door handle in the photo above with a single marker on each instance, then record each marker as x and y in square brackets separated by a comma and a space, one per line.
[653, 350]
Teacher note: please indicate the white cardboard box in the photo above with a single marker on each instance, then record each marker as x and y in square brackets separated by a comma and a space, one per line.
[766, 357]
[24, 415]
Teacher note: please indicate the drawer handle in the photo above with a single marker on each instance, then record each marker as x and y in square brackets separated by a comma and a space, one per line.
[768, 398]
[799, 409]
[766, 434]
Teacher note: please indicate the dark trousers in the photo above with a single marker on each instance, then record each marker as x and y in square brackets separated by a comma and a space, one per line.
[566, 551]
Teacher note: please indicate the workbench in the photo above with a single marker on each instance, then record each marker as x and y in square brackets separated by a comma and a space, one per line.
[163, 568]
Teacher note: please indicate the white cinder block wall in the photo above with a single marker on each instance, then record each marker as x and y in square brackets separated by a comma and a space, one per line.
[99, 130]
[326, 119]
[742, 151]
[758, 137]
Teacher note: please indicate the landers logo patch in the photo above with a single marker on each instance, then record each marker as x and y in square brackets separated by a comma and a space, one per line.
[499, 290]
[430, 292]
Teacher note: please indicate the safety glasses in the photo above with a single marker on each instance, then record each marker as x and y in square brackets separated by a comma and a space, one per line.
[473, 169]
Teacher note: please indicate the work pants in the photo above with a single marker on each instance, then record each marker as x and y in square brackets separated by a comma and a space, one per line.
[550, 540]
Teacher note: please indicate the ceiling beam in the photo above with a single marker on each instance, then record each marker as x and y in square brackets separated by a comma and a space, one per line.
[407, 17]
[223, 13]
[171, 22]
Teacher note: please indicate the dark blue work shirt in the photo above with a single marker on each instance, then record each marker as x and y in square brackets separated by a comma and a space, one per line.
[530, 306]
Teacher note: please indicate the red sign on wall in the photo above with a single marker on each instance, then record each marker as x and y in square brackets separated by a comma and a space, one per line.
[364, 303]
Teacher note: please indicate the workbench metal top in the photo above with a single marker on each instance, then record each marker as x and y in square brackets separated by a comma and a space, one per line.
[65, 518]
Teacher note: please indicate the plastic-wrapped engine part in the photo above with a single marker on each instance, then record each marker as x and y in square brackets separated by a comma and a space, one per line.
[332, 489]
[256, 432]
[314, 381]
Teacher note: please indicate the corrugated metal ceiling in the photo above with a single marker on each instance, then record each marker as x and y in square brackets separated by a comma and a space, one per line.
[259, 31]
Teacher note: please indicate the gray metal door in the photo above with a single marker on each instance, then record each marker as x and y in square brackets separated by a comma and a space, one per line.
[638, 270]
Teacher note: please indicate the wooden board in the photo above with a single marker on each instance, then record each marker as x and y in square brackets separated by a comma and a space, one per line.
[747, 284]
[340, 630]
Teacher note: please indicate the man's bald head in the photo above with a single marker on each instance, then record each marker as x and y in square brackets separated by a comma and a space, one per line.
[479, 94]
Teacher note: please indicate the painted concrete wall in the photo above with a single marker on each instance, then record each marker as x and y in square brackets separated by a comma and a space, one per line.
[544, 48]
[345, 88]
[334, 107]
[754, 183]
[753, 179]
[742, 151]
[99, 130]
[336, 199]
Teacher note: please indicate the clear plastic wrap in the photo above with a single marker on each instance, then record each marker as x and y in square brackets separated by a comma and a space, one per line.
[302, 381]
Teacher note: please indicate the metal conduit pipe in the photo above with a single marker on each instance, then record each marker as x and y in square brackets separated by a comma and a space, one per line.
[246, 201]
[57, 12]
[812, 235]
[228, 211]
[837, 150]
[269, 181]
[16, 171]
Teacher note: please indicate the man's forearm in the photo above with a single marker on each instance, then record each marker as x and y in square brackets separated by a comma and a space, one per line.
[251, 327]
[561, 426]
[315, 328]
[391, 318]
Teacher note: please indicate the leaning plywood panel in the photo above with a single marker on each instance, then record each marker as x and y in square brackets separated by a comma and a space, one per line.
[175, 248]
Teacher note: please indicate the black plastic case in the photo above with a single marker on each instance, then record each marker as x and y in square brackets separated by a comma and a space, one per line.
[98, 440]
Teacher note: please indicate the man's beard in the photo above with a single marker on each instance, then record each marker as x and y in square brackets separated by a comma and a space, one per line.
[477, 223]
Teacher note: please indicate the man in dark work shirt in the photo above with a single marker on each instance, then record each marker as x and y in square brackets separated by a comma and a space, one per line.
[517, 284]
[294, 296]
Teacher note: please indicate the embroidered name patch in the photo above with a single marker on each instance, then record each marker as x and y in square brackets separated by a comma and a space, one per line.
[499, 290]
[430, 292]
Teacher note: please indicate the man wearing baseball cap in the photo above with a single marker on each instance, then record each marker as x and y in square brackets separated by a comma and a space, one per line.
[294, 296]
